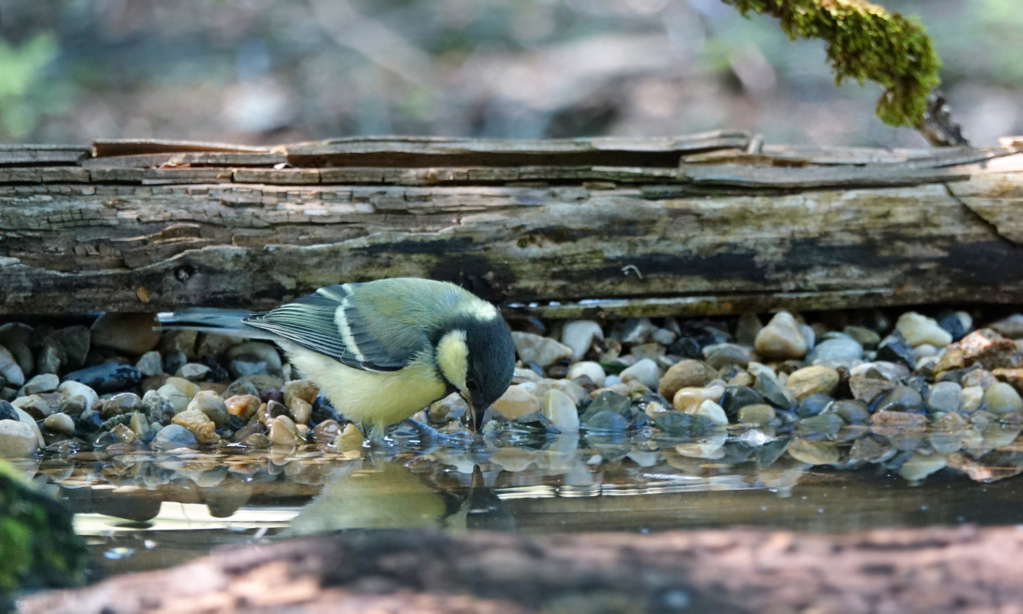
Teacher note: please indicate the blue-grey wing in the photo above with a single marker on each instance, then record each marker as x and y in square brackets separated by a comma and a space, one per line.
[329, 322]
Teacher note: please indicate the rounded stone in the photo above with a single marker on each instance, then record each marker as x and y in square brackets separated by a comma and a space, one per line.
[944, 397]
[919, 466]
[837, 349]
[867, 338]
[17, 439]
[283, 432]
[579, 335]
[173, 436]
[590, 369]
[59, 423]
[44, 382]
[900, 398]
[813, 452]
[918, 330]
[517, 401]
[686, 399]
[10, 370]
[128, 333]
[123, 403]
[1002, 398]
[724, 355]
[173, 395]
[686, 373]
[781, 339]
[253, 352]
[350, 439]
[107, 377]
[561, 410]
[645, 372]
[762, 415]
[812, 380]
[541, 350]
[714, 413]
[211, 404]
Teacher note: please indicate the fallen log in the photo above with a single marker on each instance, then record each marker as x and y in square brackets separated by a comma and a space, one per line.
[708, 224]
[910, 570]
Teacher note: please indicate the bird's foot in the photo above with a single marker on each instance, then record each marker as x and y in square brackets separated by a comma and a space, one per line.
[412, 430]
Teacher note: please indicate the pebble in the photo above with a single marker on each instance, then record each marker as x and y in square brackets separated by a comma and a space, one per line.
[173, 436]
[579, 335]
[633, 330]
[894, 348]
[813, 404]
[123, 403]
[781, 339]
[198, 423]
[919, 466]
[193, 371]
[123, 434]
[303, 389]
[59, 423]
[242, 405]
[252, 358]
[813, 452]
[300, 410]
[35, 405]
[211, 404]
[17, 439]
[326, 431]
[645, 372]
[70, 389]
[972, 397]
[177, 399]
[10, 370]
[608, 400]
[714, 413]
[918, 329]
[944, 397]
[840, 349]
[812, 380]
[686, 373]
[1011, 327]
[589, 369]
[664, 337]
[737, 397]
[127, 333]
[515, 402]
[544, 351]
[686, 399]
[283, 432]
[107, 377]
[724, 355]
[1002, 398]
[150, 364]
[868, 382]
[44, 382]
[867, 338]
[350, 439]
[770, 387]
[561, 410]
[605, 421]
[900, 399]
[190, 389]
[762, 415]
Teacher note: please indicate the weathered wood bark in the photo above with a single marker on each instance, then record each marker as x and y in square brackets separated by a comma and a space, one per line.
[912, 570]
[714, 223]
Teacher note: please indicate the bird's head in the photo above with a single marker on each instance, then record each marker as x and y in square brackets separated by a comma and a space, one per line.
[476, 356]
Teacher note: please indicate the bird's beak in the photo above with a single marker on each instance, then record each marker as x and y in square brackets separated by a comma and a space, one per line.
[475, 415]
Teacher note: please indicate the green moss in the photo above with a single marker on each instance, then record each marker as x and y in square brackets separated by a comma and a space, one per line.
[863, 41]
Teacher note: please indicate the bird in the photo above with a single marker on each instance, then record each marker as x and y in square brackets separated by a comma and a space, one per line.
[382, 350]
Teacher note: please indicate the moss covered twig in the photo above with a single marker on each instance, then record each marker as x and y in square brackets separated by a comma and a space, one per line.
[864, 41]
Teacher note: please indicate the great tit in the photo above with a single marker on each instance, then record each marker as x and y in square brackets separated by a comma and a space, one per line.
[381, 351]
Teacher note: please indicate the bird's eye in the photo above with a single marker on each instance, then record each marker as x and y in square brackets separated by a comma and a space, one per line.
[471, 386]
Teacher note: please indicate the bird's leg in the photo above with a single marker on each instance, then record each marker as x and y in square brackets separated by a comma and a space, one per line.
[431, 437]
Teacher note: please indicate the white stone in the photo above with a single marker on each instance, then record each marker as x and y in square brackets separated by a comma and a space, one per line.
[517, 401]
[17, 440]
[70, 389]
[541, 350]
[645, 372]
[590, 369]
[561, 410]
[579, 335]
[972, 397]
[919, 329]
[59, 423]
[714, 412]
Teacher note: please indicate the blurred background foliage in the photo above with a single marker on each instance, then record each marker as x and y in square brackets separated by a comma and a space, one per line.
[259, 71]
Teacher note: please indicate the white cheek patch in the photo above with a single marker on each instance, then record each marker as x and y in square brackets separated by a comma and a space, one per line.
[453, 358]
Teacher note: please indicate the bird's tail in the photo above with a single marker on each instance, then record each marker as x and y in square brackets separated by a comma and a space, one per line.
[210, 320]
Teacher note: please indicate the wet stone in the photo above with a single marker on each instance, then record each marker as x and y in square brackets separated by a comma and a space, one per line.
[123, 403]
[839, 349]
[867, 383]
[44, 382]
[107, 377]
[682, 424]
[10, 370]
[605, 421]
[851, 411]
[157, 409]
[17, 439]
[894, 348]
[781, 339]
[724, 355]
[516, 401]
[762, 415]
[944, 397]
[198, 423]
[772, 390]
[59, 423]
[544, 351]
[917, 329]
[823, 426]
[812, 380]
[713, 412]
[872, 448]
[813, 404]
[737, 397]
[579, 335]
[645, 372]
[608, 401]
[211, 404]
[689, 398]
[561, 410]
[686, 373]
[900, 399]
[919, 466]
[589, 369]
[813, 452]
[326, 431]
[123, 434]
[35, 405]
[172, 437]
[1002, 398]
[283, 432]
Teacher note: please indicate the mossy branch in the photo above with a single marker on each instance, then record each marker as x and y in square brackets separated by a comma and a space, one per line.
[864, 41]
